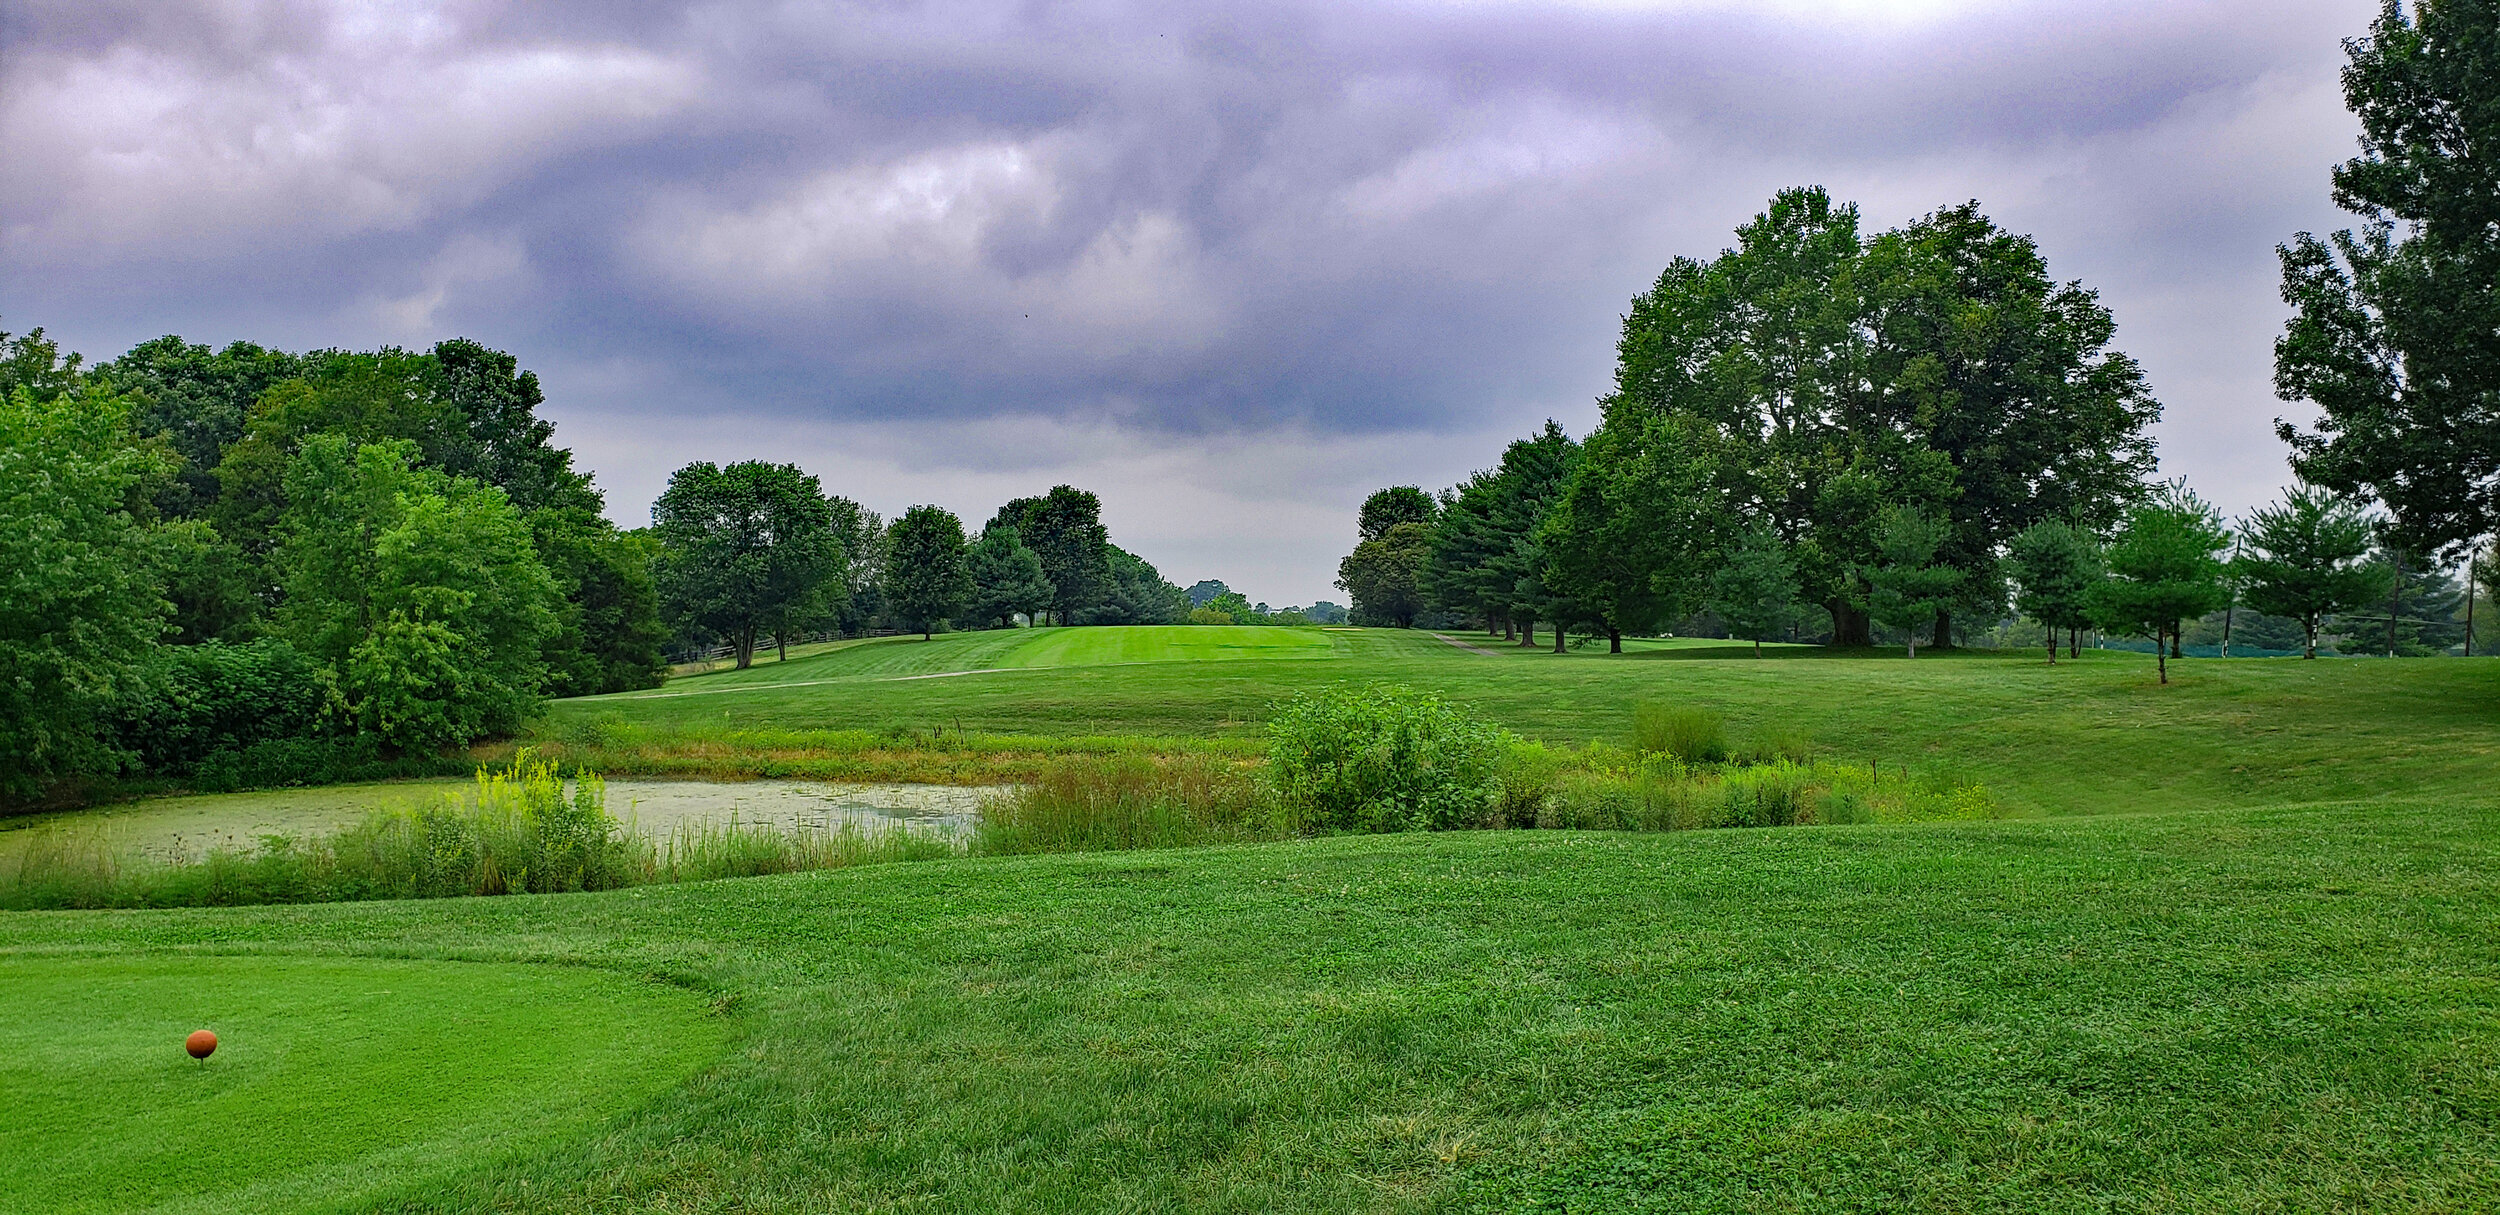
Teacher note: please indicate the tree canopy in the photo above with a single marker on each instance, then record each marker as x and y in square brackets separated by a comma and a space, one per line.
[2391, 333]
[79, 607]
[746, 549]
[925, 576]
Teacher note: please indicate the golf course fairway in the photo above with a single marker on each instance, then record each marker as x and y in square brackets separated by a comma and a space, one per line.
[337, 1081]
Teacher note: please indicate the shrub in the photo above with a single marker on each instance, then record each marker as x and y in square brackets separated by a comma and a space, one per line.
[1381, 759]
[1695, 736]
[213, 700]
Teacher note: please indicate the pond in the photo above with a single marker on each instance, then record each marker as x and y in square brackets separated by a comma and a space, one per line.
[173, 827]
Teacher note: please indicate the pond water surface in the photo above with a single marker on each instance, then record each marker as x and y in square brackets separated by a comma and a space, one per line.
[189, 826]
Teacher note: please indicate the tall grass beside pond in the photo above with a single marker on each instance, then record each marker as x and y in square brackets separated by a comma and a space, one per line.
[523, 829]
[1105, 803]
[1365, 761]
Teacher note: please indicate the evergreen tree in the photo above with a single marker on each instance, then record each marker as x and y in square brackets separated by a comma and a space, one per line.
[2054, 566]
[2306, 558]
[1755, 590]
[2165, 567]
[1910, 585]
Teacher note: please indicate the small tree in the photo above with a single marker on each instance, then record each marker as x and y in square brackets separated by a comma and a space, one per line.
[2307, 558]
[2054, 566]
[1007, 577]
[1910, 586]
[925, 578]
[1755, 590]
[2165, 566]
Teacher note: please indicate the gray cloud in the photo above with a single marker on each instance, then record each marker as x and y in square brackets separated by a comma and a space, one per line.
[1244, 263]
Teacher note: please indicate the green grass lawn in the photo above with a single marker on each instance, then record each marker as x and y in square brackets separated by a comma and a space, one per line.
[2292, 1009]
[337, 1080]
[2239, 955]
[2091, 736]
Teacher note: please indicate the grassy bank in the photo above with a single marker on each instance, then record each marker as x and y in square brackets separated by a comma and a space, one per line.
[2095, 735]
[2294, 1008]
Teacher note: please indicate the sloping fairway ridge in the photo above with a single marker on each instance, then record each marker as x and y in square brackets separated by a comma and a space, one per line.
[336, 1079]
[1169, 643]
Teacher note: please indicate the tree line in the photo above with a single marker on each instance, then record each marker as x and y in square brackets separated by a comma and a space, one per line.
[756, 551]
[1922, 426]
[247, 565]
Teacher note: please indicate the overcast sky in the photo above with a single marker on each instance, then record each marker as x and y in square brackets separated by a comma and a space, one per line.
[1231, 266]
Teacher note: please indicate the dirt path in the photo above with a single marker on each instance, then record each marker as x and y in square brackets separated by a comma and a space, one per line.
[1472, 649]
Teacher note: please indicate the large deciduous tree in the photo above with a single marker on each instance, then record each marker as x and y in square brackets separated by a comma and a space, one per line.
[1064, 528]
[1007, 578]
[745, 549]
[1387, 508]
[2307, 558]
[421, 594]
[1637, 532]
[925, 577]
[2395, 335]
[1937, 365]
[1383, 573]
[80, 607]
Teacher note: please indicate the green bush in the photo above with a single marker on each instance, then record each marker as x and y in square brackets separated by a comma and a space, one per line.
[1382, 759]
[1695, 736]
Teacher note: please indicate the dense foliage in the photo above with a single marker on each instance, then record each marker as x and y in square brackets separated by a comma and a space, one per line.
[400, 520]
[1378, 758]
[2391, 333]
[1814, 416]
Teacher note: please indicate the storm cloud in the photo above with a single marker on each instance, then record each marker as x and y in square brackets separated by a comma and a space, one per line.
[1233, 266]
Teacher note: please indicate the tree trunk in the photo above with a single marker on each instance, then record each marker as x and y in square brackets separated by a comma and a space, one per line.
[1913, 643]
[781, 648]
[745, 641]
[1614, 642]
[1942, 638]
[2161, 657]
[2309, 646]
[1757, 647]
[1527, 631]
[1849, 626]
[2074, 641]
[1558, 637]
[2395, 589]
[2052, 644]
[1510, 629]
[925, 630]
